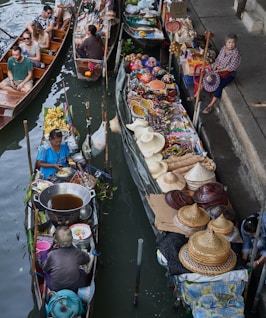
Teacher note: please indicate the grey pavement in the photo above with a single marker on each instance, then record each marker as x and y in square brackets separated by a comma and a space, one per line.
[234, 134]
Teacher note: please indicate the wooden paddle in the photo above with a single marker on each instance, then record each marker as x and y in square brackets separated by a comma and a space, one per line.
[208, 36]
[25, 123]
[105, 54]
[119, 48]
[11, 36]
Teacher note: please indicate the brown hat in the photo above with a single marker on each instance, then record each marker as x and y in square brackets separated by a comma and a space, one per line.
[207, 253]
[193, 216]
[176, 199]
[171, 181]
[221, 225]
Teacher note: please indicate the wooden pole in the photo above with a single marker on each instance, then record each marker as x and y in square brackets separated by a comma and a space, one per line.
[119, 48]
[208, 35]
[139, 260]
[25, 123]
[105, 54]
[11, 36]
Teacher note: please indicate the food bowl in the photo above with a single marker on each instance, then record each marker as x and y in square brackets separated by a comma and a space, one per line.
[138, 111]
[65, 172]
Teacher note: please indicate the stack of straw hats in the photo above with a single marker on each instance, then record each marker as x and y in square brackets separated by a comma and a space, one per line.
[171, 181]
[191, 219]
[221, 225]
[157, 168]
[150, 143]
[207, 253]
[198, 176]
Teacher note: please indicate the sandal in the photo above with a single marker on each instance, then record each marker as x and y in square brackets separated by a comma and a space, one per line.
[207, 110]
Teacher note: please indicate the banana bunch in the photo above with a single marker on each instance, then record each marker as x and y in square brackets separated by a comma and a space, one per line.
[174, 48]
[54, 119]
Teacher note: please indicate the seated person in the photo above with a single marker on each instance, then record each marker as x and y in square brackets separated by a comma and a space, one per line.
[19, 72]
[41, 36]
[46, 19]
[63, 13]
[63, 262]
[92, 47]
[53, 155]
[31, 50]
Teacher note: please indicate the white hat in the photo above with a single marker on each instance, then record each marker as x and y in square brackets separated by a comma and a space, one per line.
[150, 143]
[154, 157]
[198, 175]
[140, 130]
[156, 168]
[137, 122]
[171, 181]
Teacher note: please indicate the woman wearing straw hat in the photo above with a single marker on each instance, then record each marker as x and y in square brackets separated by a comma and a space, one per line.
[225, 66]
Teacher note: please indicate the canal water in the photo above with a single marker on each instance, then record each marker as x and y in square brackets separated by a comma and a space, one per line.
[122, 220]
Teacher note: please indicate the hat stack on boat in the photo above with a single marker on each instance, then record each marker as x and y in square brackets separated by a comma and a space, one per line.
[207, 253]
[198, 176]
[191, 219]
[157, 168]
[221, 225]
[150, 143]
[169, 181]
[176, 199]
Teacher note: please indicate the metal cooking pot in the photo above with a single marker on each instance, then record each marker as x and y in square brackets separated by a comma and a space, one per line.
[65, 217]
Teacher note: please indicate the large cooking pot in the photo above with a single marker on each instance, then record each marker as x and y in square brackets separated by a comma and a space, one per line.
[81, 195]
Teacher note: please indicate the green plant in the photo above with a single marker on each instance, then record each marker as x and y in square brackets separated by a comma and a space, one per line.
[104, 190]
[128, 47]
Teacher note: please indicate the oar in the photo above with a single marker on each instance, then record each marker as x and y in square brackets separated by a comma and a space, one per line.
[119, 48]
[139, 259]
[11, 36]
[208, 36]
[43, 309]
[105, 55]
[25, 123]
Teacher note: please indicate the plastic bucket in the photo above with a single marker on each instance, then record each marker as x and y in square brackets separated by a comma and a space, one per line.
[42, 249]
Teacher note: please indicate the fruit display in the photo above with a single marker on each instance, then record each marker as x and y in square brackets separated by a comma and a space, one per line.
[55, 118]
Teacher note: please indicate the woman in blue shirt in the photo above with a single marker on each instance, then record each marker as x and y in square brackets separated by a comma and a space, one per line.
[53, 155]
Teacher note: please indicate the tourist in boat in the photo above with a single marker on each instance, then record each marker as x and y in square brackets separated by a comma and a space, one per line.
[226, 65]
[92, 47]
[248, 232]
[63, 13]
[41, 36]
[53, 155]
[19, 72]
[46, 19]
[63, 263]
[31, 49]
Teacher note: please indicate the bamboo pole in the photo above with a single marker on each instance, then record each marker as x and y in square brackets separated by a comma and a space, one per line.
[208, 35]
[139, 260]
[25, 123]
[105, 54]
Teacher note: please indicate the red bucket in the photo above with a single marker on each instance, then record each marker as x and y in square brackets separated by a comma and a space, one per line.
[42, 249]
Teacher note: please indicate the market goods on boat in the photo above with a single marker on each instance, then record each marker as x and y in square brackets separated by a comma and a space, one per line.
[14, 102]
[106, 18]
[177, 183]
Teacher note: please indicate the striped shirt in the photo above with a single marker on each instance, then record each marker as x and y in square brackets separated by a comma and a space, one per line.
[229, 61]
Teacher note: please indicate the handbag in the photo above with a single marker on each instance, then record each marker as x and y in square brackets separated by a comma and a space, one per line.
[225, 74]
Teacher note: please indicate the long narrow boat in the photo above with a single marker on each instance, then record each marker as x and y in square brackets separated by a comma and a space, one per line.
[167, 162]
[41, 221]
[107, 20]
[143, 26]
[13, 103]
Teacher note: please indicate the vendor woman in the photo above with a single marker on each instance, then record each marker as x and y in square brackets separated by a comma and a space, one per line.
[53, 155]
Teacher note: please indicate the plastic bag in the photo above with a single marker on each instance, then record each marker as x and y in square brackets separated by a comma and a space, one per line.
[98, 140]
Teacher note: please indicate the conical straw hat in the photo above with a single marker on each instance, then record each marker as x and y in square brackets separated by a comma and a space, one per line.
[171, 181]
[199, 173]
[156, 168]
[193, 216]
[221, 225]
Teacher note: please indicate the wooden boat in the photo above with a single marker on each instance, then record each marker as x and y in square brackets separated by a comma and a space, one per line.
[107, 21]
[144, 27]
[13, 103]
[41, 223]
[148, 104]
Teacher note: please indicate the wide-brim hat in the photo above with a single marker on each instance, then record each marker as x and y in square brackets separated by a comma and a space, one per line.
[157, 168]
[211, 81]
[154, 157]
[140, 130]
[137, 122]
[207, 253]
[150, 143]
[171, 181]
[176, 199]
[221, 225]
[193, 216]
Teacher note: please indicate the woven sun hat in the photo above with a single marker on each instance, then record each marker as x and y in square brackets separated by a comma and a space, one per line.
[150, 143]
[63, 236]
[207, 253]
[140, 130]
[197, 176]
[193, 216]
[157, 168]
[137, 122]
[221, 225]
[154, 157]
[171, 181]
[211, 81]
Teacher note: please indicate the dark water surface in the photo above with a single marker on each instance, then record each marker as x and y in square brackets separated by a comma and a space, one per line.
[122, 220]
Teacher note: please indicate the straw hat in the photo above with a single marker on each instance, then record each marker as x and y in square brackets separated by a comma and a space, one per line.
[156, 168]
[154, 157]
[221, 225]
[207, 253]
[193, 216]
[197, 176]
[140, 130]
[171, 181]
[150, 143]
[137, 122]
[211, 81]
[63, 236]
